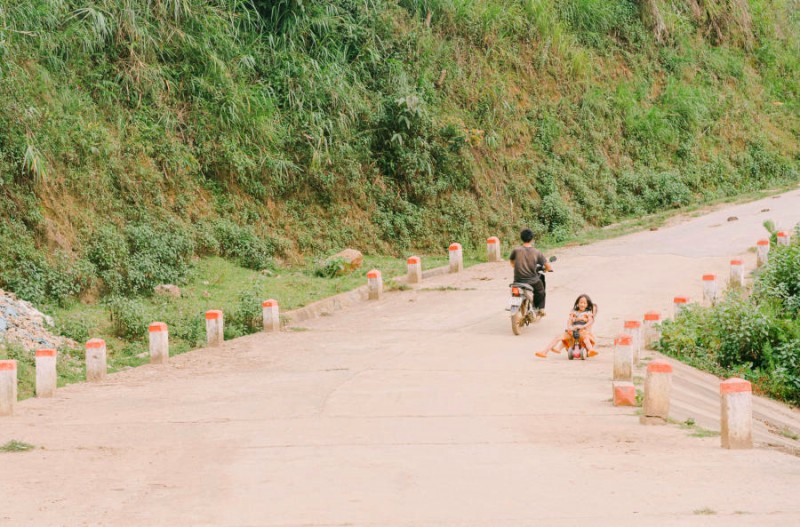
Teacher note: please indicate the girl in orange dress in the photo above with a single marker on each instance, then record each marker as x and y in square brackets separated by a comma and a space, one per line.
[581, 318]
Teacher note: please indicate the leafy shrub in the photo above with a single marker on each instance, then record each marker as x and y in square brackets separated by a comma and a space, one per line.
[422, 159]
[330, 267]
[780, 279]
[107, 250]
[37, 280]
[189, 328]
[557, 216]
[247, 317]
[648, 191]
[399, 221]
[205, 240]
[762, 165]
[757, 336]
[77, 330]
[141, 256]
[743, 330]
[242, 244]
[787, 370]
[691, 338]
[129, 318]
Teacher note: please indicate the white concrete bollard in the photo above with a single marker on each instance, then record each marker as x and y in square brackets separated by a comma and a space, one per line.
[456, 258]
[374, 285]
[414, 270]
[634, 329]
[493, 249]
[657, 388]
[270, 315]
[159, 343]
[784, 238]
[710, 288]
[680, 303]
[215, 328]
[762, 252]
[46, 376]
[737, 273]
[623, 393]
[8, 386]
[736, 406]
[623, 358]
[650, 328]
[96, 360]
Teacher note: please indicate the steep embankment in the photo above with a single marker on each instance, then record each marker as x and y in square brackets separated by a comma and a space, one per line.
[134, 135]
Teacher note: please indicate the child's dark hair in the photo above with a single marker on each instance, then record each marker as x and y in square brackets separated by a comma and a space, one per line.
[589, 304]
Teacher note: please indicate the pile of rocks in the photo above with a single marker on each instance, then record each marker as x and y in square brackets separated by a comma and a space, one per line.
[21, 323]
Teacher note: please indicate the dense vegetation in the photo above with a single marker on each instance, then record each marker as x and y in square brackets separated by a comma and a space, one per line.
[137, 134]
[755, 336]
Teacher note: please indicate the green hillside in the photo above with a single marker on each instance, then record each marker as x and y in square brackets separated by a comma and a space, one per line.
[138, 134]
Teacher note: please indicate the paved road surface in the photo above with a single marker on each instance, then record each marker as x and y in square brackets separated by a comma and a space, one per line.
[419, 410]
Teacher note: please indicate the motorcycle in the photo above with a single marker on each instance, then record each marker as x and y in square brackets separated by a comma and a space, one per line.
[523, 312]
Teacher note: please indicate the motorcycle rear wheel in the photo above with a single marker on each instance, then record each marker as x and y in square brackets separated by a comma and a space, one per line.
[516, 320]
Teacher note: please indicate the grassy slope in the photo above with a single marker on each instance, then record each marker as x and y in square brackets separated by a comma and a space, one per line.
[182, 127]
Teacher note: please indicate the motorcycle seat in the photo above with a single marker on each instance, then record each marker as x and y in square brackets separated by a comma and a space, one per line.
[521, 286]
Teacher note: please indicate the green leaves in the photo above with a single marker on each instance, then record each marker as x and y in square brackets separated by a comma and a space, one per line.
[756, 336]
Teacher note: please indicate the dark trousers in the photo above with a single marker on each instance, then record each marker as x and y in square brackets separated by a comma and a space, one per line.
[539, 293]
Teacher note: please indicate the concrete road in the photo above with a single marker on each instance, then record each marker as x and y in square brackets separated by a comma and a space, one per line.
[418, 410]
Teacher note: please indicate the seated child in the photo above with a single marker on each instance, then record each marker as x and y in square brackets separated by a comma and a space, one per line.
[581, 318]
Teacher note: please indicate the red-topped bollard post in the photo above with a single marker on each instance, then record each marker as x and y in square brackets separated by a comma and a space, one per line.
[270, 315]
[634, 329]
[493, 249]
[623, 393]
[46, 377]
[762, 252]
[8, 386]
[650, 329]
[623, 358]
[710, 288]
[736, 407]
[657, 391]
[158, 334]
[680, 303]
[374, 285]
[215, 328]
[737, 273]
[414, 269]
[456, 258]
[784, 238]
[96, 360]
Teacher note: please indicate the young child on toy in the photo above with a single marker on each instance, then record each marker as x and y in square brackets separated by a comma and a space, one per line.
[581, 318]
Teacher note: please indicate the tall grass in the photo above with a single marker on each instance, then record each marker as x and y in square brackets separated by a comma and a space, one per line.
[260, 128]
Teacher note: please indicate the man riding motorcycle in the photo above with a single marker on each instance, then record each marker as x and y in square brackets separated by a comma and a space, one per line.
[525, 259]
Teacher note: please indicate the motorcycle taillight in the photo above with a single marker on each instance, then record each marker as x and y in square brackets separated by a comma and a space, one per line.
[515, 291]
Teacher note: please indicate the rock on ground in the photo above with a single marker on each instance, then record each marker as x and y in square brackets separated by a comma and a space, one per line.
[352, 259]
[168, 290]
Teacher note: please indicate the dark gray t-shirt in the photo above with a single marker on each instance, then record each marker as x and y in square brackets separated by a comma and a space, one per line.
[525, 260]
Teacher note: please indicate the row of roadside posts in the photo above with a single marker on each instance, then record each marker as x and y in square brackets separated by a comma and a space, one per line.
[736, 406]
[735, 394]
[158, 333]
